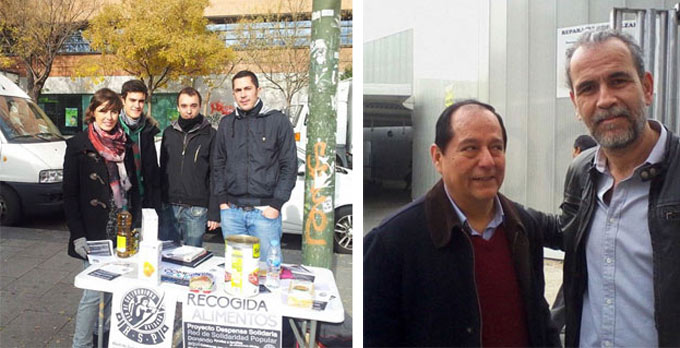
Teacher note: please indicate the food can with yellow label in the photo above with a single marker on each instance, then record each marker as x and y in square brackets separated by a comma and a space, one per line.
[241, 265]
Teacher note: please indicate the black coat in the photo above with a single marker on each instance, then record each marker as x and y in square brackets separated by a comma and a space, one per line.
[185, 167]
[87, 193]
[255, 160]
[151, 173]
[664, 227]
[419, 287]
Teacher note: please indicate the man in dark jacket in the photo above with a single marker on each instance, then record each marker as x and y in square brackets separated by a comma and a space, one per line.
[621, 208]
[188, 206]
[462, 265]
[255, 165]
[142, 129]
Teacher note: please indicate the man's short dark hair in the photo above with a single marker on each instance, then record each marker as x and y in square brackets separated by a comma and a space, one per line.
[593, 37]
[584, 142]
[191, 92]
[245, 73]
[133, 86]
[444, 131]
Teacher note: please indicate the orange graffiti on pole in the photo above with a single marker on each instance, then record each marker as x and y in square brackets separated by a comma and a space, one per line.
[316, 218]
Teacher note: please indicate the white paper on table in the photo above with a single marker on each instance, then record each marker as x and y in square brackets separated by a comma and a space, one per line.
[101, 251]
[117, 268]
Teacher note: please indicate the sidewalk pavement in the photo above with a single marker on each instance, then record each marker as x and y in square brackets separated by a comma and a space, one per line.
[38, 301]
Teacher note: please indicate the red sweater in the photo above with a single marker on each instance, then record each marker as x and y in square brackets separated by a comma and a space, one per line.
[504, 320]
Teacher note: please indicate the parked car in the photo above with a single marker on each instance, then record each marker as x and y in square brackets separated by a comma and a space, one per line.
[32, 157]
[293, 210]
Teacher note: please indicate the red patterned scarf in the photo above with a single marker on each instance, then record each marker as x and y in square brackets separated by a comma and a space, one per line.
[111, 146]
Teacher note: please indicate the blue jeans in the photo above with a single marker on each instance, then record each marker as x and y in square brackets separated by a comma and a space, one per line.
[86, 317]
[183, 222]
[253, 223]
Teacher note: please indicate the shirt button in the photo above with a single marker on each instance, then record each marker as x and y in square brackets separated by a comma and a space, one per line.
[609, 301]
[469, 330]
[609, 260]
[611, 220]
[607, 343]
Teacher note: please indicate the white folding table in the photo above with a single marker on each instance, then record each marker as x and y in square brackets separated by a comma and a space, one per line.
[324, 280]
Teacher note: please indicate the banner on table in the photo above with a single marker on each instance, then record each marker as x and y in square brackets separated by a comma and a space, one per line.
[142, 317]
[220, 320]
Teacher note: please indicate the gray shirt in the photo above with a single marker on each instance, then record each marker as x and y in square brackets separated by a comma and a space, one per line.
[618, 304]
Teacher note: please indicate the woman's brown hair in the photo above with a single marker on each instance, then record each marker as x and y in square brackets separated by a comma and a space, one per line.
[103, 96]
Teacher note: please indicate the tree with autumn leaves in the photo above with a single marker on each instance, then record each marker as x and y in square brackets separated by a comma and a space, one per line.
[32, 33]
[155, 40]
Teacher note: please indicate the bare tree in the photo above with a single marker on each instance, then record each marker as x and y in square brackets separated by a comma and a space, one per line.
[277, 42]
[34, 31]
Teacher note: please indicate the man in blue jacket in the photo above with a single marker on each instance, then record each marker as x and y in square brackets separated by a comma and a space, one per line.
[254, 165]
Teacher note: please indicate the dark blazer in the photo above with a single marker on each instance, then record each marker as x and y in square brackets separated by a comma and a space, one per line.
[87, 193]
[151, 173]
[419, 287]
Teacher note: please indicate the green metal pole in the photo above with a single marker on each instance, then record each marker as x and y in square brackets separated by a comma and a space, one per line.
[317, 237]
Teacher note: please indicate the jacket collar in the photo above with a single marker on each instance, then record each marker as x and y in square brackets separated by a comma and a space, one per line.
[203, 124]
[442, 219]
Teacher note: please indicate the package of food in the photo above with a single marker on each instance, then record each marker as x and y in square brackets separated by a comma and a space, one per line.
[149, 261]
[241, 265]
[301, 293]
[202, 282]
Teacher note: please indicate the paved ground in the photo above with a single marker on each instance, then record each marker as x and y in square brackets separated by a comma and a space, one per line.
[38, 300]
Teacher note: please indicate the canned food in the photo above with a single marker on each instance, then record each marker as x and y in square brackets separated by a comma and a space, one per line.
[241, 265]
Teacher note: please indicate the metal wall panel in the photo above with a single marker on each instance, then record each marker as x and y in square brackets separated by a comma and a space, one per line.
[389, 60]
[429, 103]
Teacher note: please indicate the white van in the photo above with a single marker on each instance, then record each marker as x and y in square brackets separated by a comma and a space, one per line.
[31, 157]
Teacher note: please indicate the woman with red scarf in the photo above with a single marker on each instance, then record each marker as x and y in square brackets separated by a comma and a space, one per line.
[99, 182]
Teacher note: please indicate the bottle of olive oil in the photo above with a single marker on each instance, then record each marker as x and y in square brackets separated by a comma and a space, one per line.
[124, 240]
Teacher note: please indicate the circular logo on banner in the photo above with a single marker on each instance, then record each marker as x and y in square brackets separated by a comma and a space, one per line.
[142, 316]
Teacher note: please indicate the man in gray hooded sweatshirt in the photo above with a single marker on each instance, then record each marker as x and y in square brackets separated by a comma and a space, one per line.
[188, 206]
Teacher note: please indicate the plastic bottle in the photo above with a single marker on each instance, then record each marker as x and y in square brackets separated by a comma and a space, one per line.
[273, 265]
[124, 236]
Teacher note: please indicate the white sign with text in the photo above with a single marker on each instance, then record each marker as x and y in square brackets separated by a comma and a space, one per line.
[566, 37]
[221, 320]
